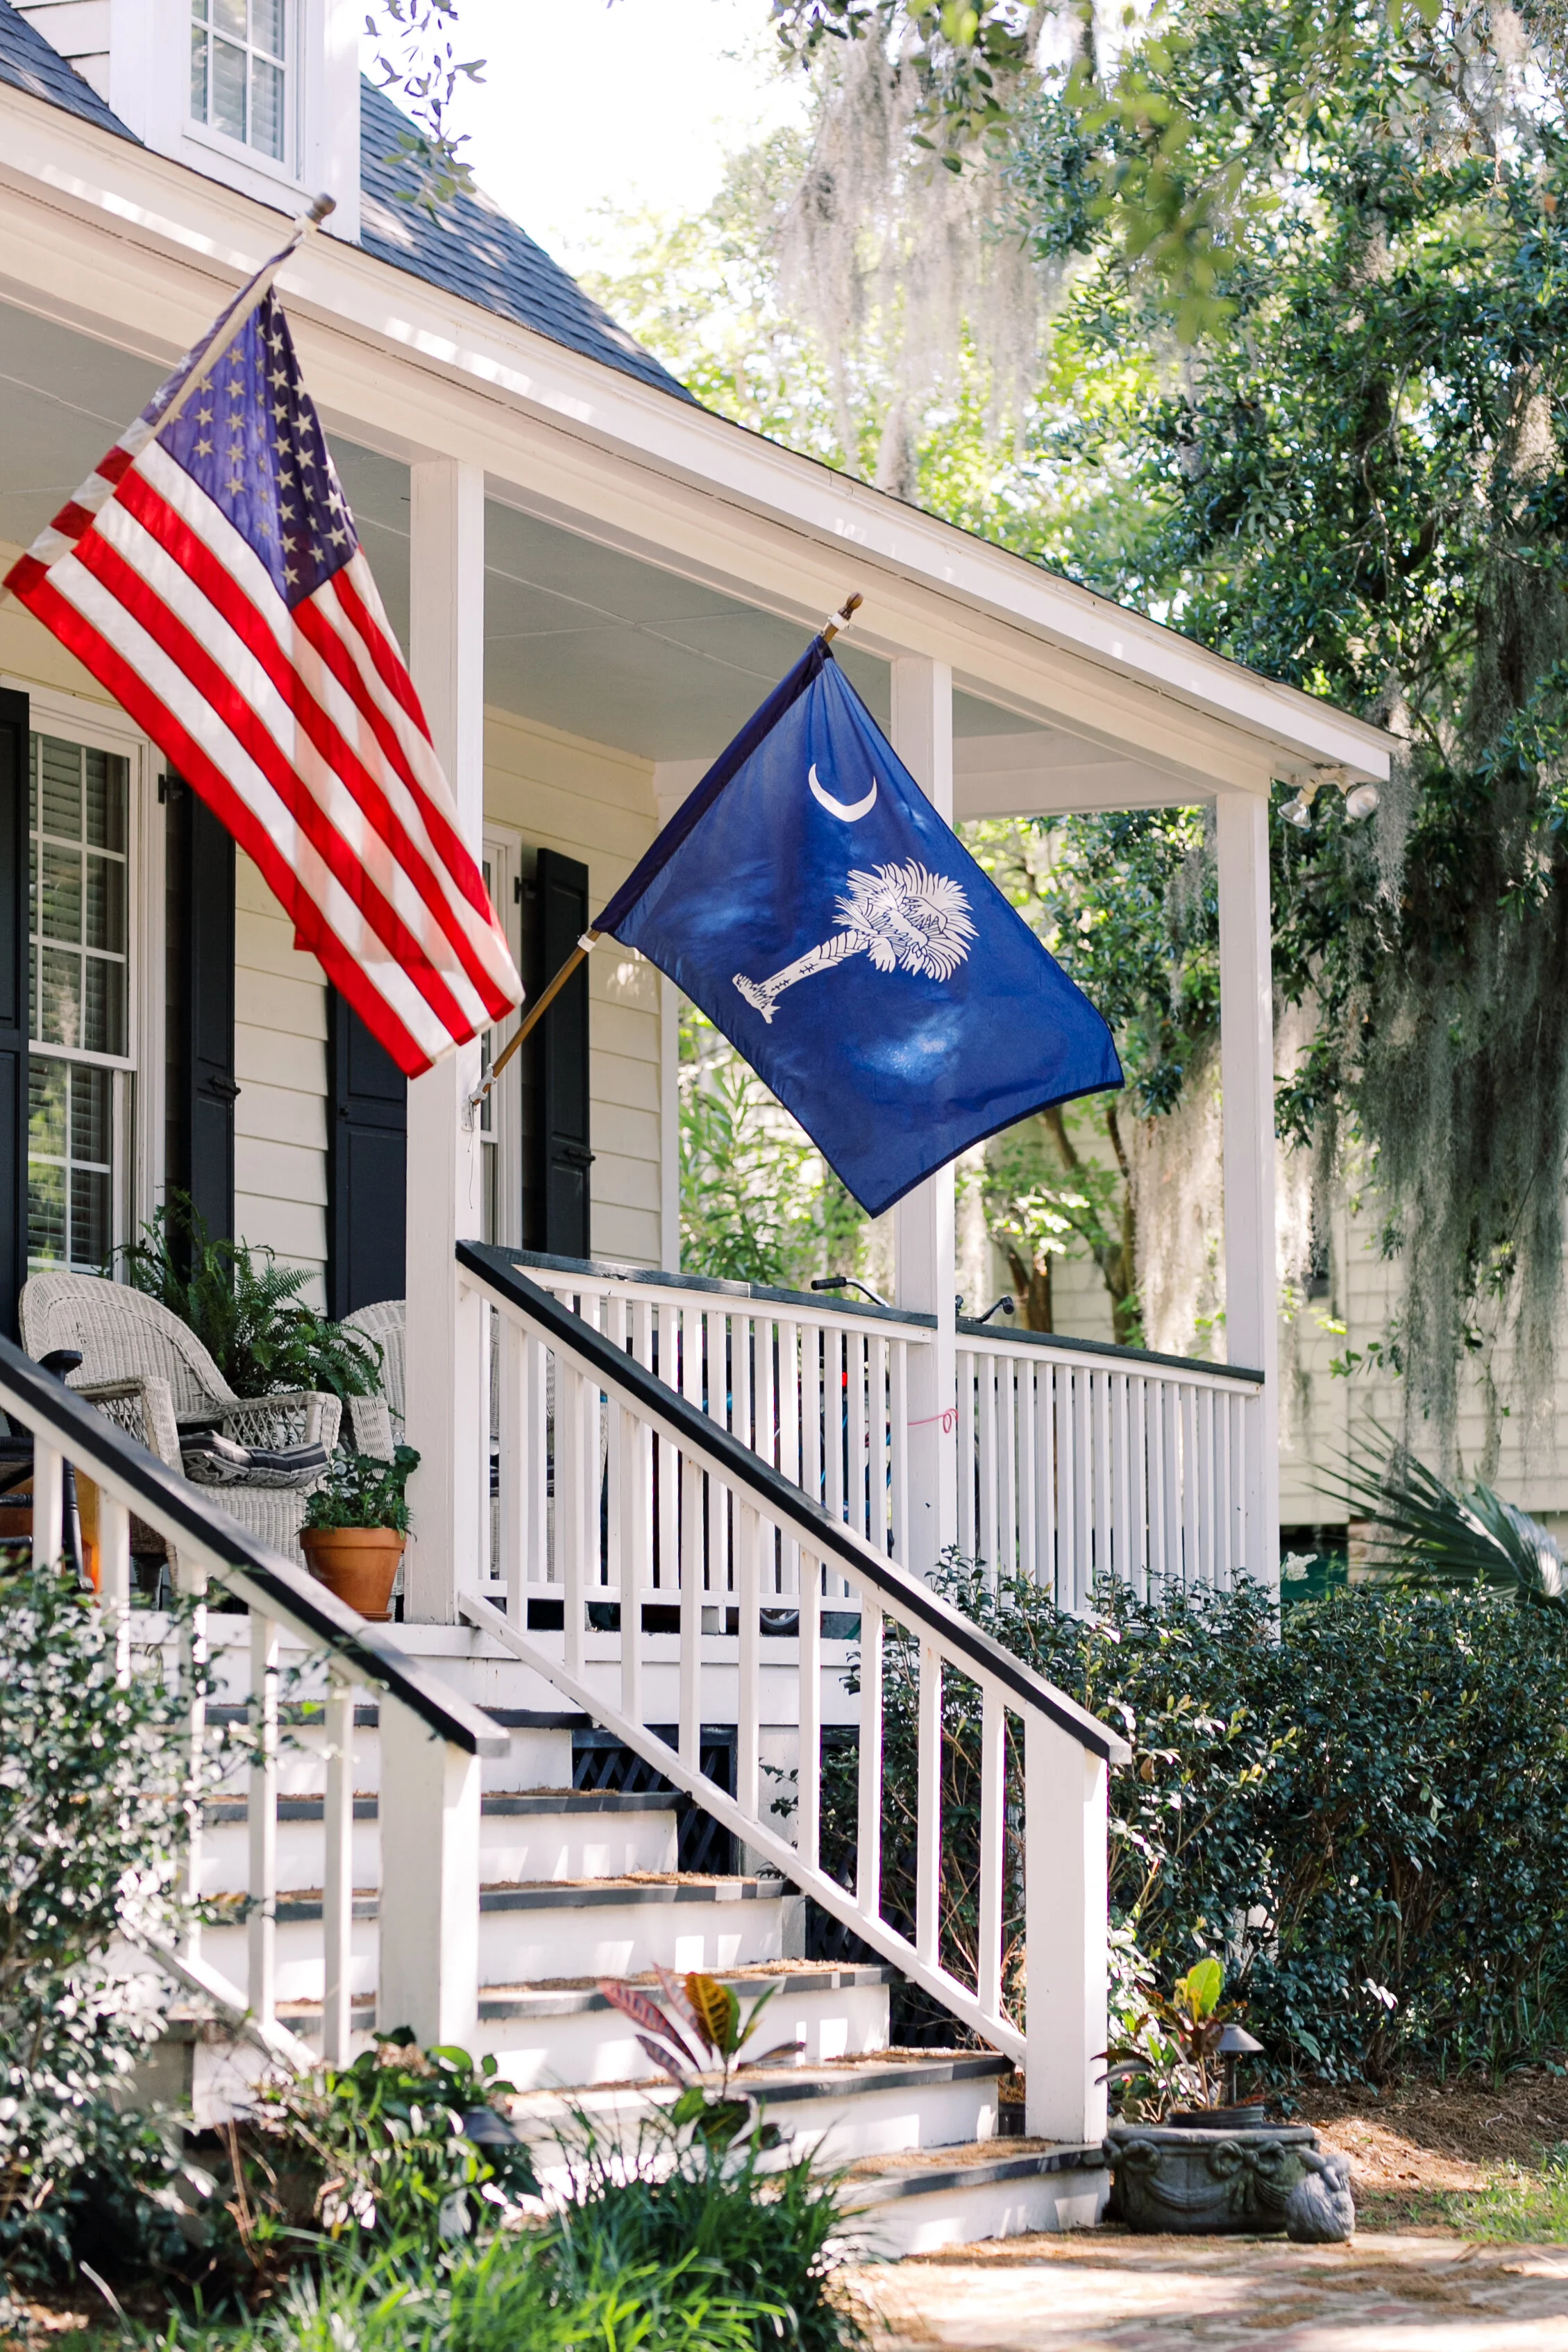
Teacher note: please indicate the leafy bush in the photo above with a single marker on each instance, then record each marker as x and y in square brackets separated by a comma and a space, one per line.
[93, 1830]
[246, 1309]
[1364, 1816]
[406, 2144]
[360, 1490]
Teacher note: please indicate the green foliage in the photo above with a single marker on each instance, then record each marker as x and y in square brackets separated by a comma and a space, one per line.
[246, 1309]
[701, 2030]
[419, 65]
[1362, 1817]
[361, 1490]
[1163, 2051]
[407, 2147]
[1427, 1534]
[93, 1826]
[757, 1202]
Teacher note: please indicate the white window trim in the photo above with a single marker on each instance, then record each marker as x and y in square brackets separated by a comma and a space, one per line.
[138, 1175]
[289, 168]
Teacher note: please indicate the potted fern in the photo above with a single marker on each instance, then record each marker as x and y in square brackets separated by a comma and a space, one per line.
[356, 1525]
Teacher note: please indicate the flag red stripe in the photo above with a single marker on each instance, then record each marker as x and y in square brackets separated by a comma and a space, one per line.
[218, 585]
[107, 565]
[324, 639]
[109, 666]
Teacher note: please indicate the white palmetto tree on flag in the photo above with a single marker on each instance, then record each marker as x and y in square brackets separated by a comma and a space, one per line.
[905, 918]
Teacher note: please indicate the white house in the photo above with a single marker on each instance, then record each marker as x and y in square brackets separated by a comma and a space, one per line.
[596, 581]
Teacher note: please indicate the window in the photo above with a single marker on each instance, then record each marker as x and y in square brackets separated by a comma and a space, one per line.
[80, 993]
[239, 70]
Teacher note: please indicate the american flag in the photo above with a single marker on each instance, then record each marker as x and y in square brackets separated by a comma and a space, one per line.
[211, 577]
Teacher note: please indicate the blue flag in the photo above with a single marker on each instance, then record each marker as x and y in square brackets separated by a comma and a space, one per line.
[809, 898]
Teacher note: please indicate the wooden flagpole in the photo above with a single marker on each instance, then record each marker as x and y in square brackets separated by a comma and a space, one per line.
[590, 939]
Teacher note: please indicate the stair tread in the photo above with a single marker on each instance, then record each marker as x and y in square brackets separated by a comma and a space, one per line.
[299, 1903]
[924, 2171]
[575, 1996]
[495, 1804]
[823, 2079]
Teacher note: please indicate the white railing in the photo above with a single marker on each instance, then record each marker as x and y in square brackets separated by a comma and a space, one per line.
[728, 1532]
[430, 1740]
[818, 1391]
[1078, 1460]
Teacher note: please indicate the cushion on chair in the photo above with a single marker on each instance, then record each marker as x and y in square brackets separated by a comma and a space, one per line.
[210, 1459]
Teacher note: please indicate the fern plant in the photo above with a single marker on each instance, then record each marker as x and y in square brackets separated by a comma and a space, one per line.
[246, 1309]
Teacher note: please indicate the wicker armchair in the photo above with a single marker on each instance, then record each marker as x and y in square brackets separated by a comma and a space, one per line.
[150, 1374]
[377, 1422]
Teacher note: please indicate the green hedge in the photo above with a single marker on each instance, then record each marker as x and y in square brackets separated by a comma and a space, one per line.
[1367, 1816]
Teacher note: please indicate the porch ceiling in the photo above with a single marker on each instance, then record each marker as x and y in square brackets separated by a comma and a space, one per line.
[579, 635]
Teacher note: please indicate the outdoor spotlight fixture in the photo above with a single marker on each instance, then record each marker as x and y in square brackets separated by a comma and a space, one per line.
[847, 1282]
[1298, 811]
[1360, 802]
[1234, 2043]
[1002, 1305]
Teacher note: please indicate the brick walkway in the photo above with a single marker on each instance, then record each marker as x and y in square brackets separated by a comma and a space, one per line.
[1420, 2292]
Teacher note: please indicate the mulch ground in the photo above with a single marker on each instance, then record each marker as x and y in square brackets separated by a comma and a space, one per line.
[1415, 2139]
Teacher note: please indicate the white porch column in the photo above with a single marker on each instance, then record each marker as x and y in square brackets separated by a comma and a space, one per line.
[448, 1416]
[923, 1242]
[1247, 1080]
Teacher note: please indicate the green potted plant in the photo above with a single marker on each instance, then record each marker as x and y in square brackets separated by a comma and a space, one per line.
[356, 1524]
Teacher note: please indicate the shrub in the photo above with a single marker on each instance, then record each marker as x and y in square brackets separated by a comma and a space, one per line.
[93, 1830]
[1363, 1816]
[246, 1309]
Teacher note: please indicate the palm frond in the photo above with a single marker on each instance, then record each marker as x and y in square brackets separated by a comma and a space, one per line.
[1423, 1532]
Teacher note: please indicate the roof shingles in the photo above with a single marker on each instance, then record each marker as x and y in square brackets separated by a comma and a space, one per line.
[470, 248]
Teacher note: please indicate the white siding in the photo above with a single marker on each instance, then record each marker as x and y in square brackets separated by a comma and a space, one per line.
[280, 1064]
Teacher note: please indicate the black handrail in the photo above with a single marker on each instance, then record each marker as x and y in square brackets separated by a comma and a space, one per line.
[1189, 1364]
[263, 1577]
[744, 1468]
[759, 1294]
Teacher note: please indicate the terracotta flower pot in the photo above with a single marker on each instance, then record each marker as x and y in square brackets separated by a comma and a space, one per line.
[359, 1564]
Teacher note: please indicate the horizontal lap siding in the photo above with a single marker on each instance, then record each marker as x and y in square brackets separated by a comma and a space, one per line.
[560, 792]
[280, 1065]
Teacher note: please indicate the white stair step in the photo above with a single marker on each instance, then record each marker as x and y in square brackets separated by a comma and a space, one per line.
[554, 2036]
[548, 1929]
[881, 2106]
[523, 1834]
[928, 2199]
[539, 1751]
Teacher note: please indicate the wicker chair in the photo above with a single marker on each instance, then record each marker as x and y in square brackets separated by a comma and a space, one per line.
[376, 1422]
[150, 1374]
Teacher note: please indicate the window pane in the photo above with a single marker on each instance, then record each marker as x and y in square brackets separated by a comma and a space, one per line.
[90, 1216]
[60, 1013]
[47, 1107]
[267, 107]
[228, 90]
[266, 26]
[228, 16]
[60, 788]
[61, 910]
[92, 1114]
[103, 1012]
[108, 782]
[46, 1212]
[106, 904]
[198, 73]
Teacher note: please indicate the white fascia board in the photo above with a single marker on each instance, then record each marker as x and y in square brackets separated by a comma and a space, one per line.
[410, 369]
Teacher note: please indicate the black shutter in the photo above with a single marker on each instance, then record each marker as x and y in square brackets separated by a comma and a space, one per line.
[200, 1091]
[13, 1006]
[367, 1164]
[556, 1138]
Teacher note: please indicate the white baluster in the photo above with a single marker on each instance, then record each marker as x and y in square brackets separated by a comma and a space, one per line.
[49, 1503]
[261, 1812]
[1007, 1551]
[512, 1383]
[1049, 1570]
[1122, 1530]
[535, 1564]
[868, 1837]
[692, 1523]
[898, 1418]
[765, 1408]
[928, 1811]
[193, 1584]
[1100, 1391]
[1191, 1561]
[1138, 1488]
[636, 1456]
[964, 1366]
[1032, 1374]
[989, 1531]
[1208, 1457]
[338, 1875]
[571, 1534]
[993, 1815]
[858, 1371]
[748, 1707]
[878, 1453]
[833, 1425]
[809, 1816]
[1082, 1486]
[114, 1575]
[614, 1569]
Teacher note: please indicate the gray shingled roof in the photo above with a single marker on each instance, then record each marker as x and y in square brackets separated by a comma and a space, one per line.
[471, 249]
[28, 62]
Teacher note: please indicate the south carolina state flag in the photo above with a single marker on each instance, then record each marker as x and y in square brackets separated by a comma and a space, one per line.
[811, 901]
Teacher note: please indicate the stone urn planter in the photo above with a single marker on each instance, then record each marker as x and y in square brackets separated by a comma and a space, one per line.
[359, 1564]
[1192, 2181]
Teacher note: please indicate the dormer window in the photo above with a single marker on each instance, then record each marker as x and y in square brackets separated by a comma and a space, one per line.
[239, 75]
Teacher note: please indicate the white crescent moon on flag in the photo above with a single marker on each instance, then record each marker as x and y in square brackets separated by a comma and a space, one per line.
[847, 810]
